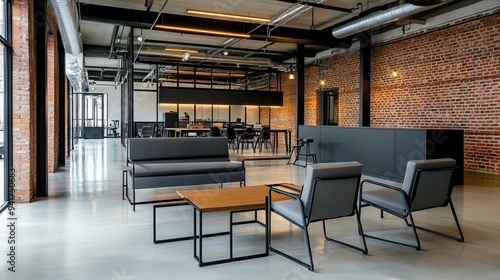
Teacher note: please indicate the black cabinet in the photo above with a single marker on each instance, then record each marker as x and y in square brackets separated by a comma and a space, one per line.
[384, 152]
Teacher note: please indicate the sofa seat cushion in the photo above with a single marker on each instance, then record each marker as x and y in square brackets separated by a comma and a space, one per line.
[183, 168]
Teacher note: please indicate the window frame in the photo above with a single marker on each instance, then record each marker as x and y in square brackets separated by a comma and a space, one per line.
[6, 41]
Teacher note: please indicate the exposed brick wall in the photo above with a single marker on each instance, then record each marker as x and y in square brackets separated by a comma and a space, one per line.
[448, 78]
[24, 98]
[284, 117]
[52, 106]
[311, 98]
[52, 95]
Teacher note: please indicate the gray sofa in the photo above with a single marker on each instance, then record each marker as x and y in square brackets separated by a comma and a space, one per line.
[171, 162]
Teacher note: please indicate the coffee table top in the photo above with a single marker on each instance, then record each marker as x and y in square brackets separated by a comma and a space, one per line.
[229, 199]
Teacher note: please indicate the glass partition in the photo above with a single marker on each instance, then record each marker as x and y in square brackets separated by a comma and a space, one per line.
[144, 106]
[237, 113]
[204, 115]
[221, 113]
[186, 114]
[252, 114]
[164, 108]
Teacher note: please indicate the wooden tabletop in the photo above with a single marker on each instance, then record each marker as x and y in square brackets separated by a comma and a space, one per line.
[229, 199]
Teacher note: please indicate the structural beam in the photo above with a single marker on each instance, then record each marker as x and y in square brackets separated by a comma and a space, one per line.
[144, 19]
[321, 6]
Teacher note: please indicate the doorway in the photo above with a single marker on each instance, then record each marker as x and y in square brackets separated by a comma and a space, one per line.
[329, 109]
[90, 115]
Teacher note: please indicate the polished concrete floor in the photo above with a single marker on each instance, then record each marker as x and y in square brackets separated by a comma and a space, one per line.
[84, 230]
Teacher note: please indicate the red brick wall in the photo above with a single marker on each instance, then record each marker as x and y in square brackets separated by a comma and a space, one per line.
[284, 117]
[52, 106]
[24, 98]
[448, 78]
[52, 95]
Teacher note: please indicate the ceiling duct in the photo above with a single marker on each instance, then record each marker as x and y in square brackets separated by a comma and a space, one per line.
[384, 16]
[65, 12]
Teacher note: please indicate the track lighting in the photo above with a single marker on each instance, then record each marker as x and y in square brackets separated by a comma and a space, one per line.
[202, 31]
[231, 16]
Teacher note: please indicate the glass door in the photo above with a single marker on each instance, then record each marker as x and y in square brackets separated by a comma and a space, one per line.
[89, 115]
[93, 116]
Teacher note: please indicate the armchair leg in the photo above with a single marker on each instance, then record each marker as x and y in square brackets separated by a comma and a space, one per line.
[364, 250]
[412, 224]
[459, 239]
[283, 254]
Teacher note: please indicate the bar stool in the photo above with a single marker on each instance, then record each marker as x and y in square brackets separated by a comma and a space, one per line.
[298, 148]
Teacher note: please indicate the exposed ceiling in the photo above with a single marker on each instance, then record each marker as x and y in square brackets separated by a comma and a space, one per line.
[106, 25]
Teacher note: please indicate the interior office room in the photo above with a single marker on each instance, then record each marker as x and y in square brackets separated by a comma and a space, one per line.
[380, 82]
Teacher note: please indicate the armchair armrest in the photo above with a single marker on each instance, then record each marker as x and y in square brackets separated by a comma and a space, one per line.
[381, 185]
[386, 186]
[286, 186]
[284, 190]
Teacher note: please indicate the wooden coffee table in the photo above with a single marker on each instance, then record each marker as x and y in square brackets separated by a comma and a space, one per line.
[233, 200]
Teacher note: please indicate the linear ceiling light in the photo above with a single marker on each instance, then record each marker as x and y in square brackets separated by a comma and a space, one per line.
[203, 31]
[181, 50]
[232, 16]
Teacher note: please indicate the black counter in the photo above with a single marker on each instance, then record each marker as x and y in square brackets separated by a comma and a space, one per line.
[384, 152]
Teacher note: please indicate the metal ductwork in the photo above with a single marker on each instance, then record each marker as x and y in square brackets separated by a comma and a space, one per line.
[65, 12]
[384, 17]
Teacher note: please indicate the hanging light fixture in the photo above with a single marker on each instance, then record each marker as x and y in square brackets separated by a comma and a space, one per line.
[139, 38]
[394, 73]
[186, 57]
[291, 76]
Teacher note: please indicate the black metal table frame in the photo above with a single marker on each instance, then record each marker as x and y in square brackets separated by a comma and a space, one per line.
[195, 237]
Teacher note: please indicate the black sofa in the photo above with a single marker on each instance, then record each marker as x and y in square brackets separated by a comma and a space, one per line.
[171, 162]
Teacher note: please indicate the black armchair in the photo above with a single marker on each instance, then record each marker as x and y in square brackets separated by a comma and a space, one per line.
[330, 191]
[426, 185]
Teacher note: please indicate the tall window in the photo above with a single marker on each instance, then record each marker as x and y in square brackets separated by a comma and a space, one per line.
[5, 98]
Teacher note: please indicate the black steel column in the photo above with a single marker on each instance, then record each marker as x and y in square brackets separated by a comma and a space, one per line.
[40, 23]
[299, 87]
[364, 78]
[62, 103]
[130, 84]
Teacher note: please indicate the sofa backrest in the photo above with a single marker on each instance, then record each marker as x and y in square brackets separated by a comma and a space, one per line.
[182, 148]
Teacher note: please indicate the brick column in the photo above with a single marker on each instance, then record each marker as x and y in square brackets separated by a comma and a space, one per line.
[52, 103]
[24, 99]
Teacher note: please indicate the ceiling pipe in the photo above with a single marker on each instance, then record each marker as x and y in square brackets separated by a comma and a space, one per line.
[382, 17]
[293, 12]
[65, 12]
